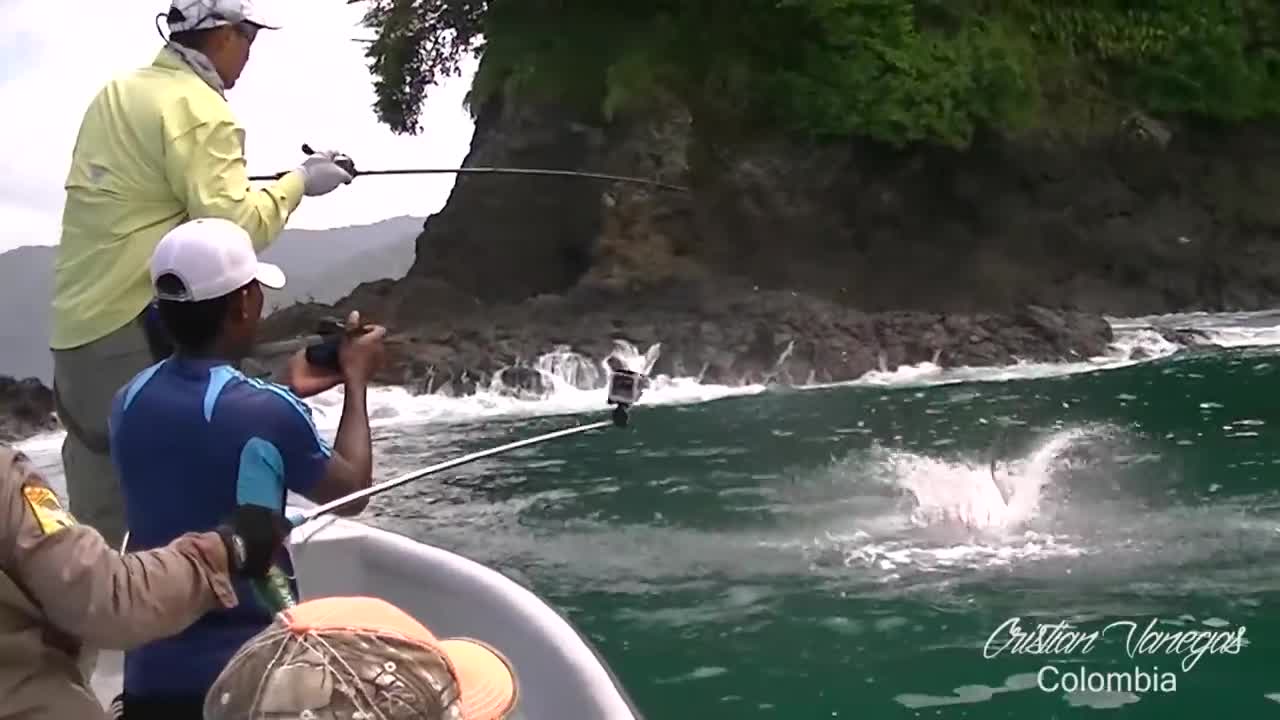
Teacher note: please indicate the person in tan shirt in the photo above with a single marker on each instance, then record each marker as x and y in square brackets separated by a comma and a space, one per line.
[65, 593]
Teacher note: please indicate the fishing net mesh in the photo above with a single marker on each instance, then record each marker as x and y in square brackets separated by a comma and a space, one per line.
[339, 674]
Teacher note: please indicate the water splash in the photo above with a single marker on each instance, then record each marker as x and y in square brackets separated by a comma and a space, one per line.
[913, 512]
[945, 493]
[626, 356]
[566, 368]
[522, 383]
[973, 494]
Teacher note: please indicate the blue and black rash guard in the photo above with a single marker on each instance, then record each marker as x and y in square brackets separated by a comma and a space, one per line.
[191, 440]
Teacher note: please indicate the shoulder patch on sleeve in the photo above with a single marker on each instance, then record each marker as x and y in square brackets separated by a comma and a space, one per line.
[47, 510]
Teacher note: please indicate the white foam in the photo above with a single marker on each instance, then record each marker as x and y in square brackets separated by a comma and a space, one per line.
[393, 406]
[1237, 329]
[1135, 341]
[396, 406]
[1245, 336]
[898, 555]
[571, 383]
[563, 372]
[966, 493]
[1131, 347]
[960, 519]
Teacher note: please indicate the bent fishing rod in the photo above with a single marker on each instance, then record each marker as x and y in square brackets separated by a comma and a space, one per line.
[348, 165]
[625, 389]
[378, 489]
[621, 395]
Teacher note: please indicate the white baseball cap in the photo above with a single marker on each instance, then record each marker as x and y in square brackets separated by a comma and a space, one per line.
[210, 257]
[203, 14]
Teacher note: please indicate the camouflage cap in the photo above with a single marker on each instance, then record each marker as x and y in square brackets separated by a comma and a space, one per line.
[359, 658]
[204, 14]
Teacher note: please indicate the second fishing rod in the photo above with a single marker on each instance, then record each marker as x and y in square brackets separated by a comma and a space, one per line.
[348, 164]
[624, 390]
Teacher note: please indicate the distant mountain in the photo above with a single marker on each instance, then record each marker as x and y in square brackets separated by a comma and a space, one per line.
[322, 265]
[26, 281]
[326, 265]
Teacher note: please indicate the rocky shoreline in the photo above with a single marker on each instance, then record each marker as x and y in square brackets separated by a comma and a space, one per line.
[792, 263]
[788, 261]
[26, 408]
[719, 332]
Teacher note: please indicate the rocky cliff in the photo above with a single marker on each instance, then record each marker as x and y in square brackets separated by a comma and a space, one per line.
[26, 408]
[796, 263]
[788, 262]
[835, 259]
[838, 250]
[1144, 217]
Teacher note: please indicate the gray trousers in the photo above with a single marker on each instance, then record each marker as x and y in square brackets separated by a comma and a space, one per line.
[85, 380]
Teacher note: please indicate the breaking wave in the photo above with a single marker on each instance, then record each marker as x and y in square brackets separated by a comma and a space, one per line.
[564, 382]
[891, 510]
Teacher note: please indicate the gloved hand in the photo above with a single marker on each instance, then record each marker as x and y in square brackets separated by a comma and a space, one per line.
[252, 535]
[324, 171]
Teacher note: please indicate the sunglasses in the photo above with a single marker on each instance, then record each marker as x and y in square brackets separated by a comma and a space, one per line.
[247, 30]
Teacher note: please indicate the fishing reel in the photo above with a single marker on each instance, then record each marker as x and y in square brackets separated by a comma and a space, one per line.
[324, 354]
[343, 161]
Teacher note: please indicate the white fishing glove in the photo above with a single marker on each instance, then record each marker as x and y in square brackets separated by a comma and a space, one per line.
[322, 173]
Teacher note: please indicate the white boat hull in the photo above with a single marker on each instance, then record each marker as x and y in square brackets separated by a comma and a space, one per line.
[560, 674]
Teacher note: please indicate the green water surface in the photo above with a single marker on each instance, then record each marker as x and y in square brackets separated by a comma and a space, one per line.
[753, 557]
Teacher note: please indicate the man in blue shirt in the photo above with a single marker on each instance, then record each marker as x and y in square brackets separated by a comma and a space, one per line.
[192, 438]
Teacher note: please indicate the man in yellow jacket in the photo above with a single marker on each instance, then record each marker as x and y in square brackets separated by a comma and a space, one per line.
[157, 146]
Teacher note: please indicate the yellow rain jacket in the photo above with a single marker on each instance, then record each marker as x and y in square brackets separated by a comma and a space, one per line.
[157, 147]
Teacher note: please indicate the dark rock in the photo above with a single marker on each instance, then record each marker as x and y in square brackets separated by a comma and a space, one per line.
[778, 337]
[522, 382]
[1188, 338]
[790, 261]
[1094, 225]
[26, 408]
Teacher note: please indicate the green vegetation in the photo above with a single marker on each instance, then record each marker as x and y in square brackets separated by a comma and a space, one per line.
[895, 70]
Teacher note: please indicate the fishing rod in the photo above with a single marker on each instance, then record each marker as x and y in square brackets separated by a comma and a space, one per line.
[325, 509]
[321, 345]
[625, 389]
[347, 164]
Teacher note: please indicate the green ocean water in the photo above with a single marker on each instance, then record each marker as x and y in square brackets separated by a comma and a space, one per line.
[846, 553]
[757, 557]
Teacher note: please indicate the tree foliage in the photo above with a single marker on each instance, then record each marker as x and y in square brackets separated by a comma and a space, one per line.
[418, 44]
[894, 70]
